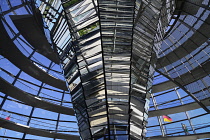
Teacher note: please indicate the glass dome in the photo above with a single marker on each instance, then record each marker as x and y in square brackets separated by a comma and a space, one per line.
[100, 69]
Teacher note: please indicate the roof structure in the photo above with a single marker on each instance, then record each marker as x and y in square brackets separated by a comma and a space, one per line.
[101, 69]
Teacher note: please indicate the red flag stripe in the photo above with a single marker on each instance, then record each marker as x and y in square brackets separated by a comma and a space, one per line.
[7, 118]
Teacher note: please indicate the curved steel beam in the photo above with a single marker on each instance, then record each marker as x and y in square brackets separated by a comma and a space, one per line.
[35, 131]
[183, 88]
[196, 40]
[177, 109]
[187, 78]
[25, 97]
[14, 55]
[182, 137]
[32, 32]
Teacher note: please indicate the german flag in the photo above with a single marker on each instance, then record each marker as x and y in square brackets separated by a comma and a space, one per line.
[167, 118]
[8, 117]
